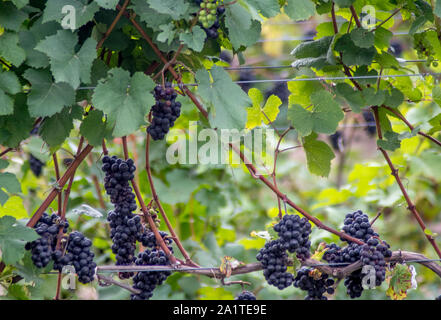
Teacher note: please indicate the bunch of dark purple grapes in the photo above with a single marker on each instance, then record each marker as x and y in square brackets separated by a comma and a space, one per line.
[148, 240]
[126, 227]
[165, 111]
[47, 228]
[147, 281]
[246, 295]
[78, 254]
[294, 234]
[274, 260]
[315, 286]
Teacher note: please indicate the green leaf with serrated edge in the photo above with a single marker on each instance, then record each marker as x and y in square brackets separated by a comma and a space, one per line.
[390, 141]
[194, 40]
[176, 9]
[353, 97]
[167, 33]
[242, 31]
[124, 99]
[362, 38]
[54, 130]
[30, 38]
[14, 207]
[301, 119]
[13, 237]
[66, 64]
[312, 49]
[16, 127]
[9, 82]
[83, 12]
[267, 8]
[229, 109]
[107, 4]
[10, 17]
[394, 98]
[382, 38]
[271, 108]
[93, 128]
[301, 91]
[10, 49]
[417, 24]
[344, 3]
[363, 71]
[28, 270]
[6, 104]
[255, 114]
[353, 55]
[299, 9]
[151, 17]
[318, 155]
[46, 97]
[400, 281]
[386, 60]
[10, 183]
[20, 3]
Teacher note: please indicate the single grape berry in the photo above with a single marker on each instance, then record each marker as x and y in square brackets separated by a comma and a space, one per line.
[165, 111]
[246, 295]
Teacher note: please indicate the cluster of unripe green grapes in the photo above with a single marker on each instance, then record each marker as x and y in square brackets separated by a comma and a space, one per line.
[208, 13]
[425, 49]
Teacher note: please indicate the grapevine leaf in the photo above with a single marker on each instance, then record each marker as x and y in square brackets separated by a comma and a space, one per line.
[20, 3]
[107, 4]
[324, 118]
[66, 64]
[3, 164]
[362, 38]
[392, 141]
[400, 281]
[14, 207]
[194, 40]
[255, 114]
[179, 188]
[353, 55]
[353, 97]
[10, 49]
[301, 91]
[242, 30]
[151, 17]
[13, 237]
[267, 8]
[10, 17]
[93, 128]
[300, 9]
[394, 98]
[124, 99]
[9, 82]
[436, 124]
[28, 270]
[167, 33]
[386, 60]
[56, 129]
[16, 127]
[229, 109]
[46, 97]
[8, 182]
[6, 104]
[38, 148]
[382, 38]
[436, 95]
[318, 155]
[176, 9]
[83, 12]
[30, 38]
[312, 49]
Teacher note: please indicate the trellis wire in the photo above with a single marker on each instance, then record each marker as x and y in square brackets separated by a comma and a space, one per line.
[288, 66]
[310, 79]
[310, 38]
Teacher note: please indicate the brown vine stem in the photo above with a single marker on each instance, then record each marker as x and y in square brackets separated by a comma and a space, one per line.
[354, 14]
[112, 26]
[5, 152]
[386, 20]
[250, 167]
[338, 272]
[159, 205]
[60, 199]
[60, 184]
[411, 206]
[411, 127]
[146, 212]
[108, 280]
